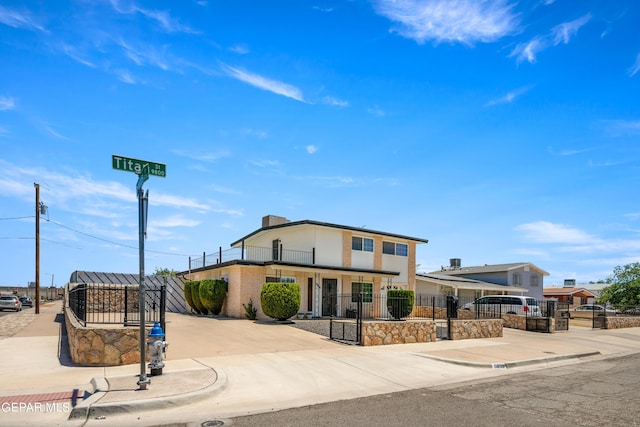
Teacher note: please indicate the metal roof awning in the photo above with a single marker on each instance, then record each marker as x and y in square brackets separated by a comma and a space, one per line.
[471, 285]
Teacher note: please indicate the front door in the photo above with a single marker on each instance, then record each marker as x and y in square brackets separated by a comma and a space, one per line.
[329, 297]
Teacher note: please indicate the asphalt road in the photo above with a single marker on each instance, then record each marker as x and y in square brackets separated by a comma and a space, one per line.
[603, 392]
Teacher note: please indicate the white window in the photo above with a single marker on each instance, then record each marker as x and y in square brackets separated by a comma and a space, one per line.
[534, 280]
[280, 279]
[516, 278]
[365, 288]
[362, 244]
[391, 248]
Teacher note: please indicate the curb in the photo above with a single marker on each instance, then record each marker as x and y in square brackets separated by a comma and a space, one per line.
[91, 408]
[506, 365]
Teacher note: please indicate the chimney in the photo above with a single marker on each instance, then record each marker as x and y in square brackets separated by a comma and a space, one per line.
[271, 220]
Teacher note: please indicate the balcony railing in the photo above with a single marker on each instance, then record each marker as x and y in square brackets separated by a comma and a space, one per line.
[252, 253]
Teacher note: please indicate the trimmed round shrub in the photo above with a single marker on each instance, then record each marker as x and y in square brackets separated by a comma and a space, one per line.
[212, 294]
[280, 301]
[399, 303]
[195, 296]
[188, 286]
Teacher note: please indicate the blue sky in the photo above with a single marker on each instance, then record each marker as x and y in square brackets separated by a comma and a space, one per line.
[501, 131]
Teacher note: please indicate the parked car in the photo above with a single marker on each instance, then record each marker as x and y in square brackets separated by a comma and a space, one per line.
[504, 304]
[26, 301]
[590, 310]
[10, 303]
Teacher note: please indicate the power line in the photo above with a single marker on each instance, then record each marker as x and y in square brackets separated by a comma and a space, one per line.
[114, 243]
[17, 217]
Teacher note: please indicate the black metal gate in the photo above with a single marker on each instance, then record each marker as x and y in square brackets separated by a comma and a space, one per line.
[550, 310]
[349, 329]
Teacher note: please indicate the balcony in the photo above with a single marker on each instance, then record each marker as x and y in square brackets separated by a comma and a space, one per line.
[253, 253]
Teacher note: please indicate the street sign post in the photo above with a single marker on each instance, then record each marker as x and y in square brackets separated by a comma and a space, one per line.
[143, 169]
[140, 167]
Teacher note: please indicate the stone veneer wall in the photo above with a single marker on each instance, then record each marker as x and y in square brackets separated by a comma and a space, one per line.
[514, 321]
[415, 331]
[470, 329]
[398, 332]
[621, 322]
[102, 346]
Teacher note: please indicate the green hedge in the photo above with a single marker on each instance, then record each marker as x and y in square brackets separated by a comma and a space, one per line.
[212, 294]
[187, 294]
[195, 296]
[280, 301]
[400, 303]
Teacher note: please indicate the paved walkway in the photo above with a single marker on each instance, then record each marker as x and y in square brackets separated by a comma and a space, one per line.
[233, 367]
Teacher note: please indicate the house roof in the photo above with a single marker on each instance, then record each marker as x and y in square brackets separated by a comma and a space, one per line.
[463, 283]
[328, 225]
[91, 277]
[312, 268]
[490, 268]
[556, 292]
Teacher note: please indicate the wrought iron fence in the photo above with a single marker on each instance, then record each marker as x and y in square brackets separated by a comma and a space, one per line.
[95, 303]
[252, 253]
[382, 307]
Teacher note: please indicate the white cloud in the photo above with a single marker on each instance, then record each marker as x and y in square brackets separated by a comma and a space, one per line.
[256, 132]
[161, 17]
[635, 67]
[52, 132]
[311, 149]
[7, 103]
[73, 53]
[574, 240]
[528, 51]
[547, 232]
[329, 100]
[15, 19]
[463, 21]
[569, 152]
[509, 97]
[264, 83]
[376, 111]
[126, 77]
[562, 33]
[240, 49]
[203, 156]
[621, 127]
[174, 221]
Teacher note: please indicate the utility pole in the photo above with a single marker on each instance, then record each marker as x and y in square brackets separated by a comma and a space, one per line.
[37, 247]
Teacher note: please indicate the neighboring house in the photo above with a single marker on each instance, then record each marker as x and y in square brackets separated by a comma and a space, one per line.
[175, 285]
[326, 260]
[466, 289]
[520, 275]
[574, 295]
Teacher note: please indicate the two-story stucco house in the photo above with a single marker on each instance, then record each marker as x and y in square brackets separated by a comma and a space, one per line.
[326, 260]
[519, 275]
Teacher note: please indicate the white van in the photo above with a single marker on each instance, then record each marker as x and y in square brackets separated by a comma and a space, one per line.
[504, 304]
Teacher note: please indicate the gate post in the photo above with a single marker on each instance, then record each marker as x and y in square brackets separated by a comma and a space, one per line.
[359, 320]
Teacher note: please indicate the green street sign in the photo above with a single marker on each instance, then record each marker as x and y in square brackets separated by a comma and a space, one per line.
[139, 167]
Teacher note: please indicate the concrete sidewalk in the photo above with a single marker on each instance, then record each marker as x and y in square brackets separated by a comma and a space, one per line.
[237, 367]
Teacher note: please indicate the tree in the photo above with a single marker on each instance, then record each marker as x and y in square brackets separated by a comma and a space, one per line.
[625, 286]
[165, 272]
